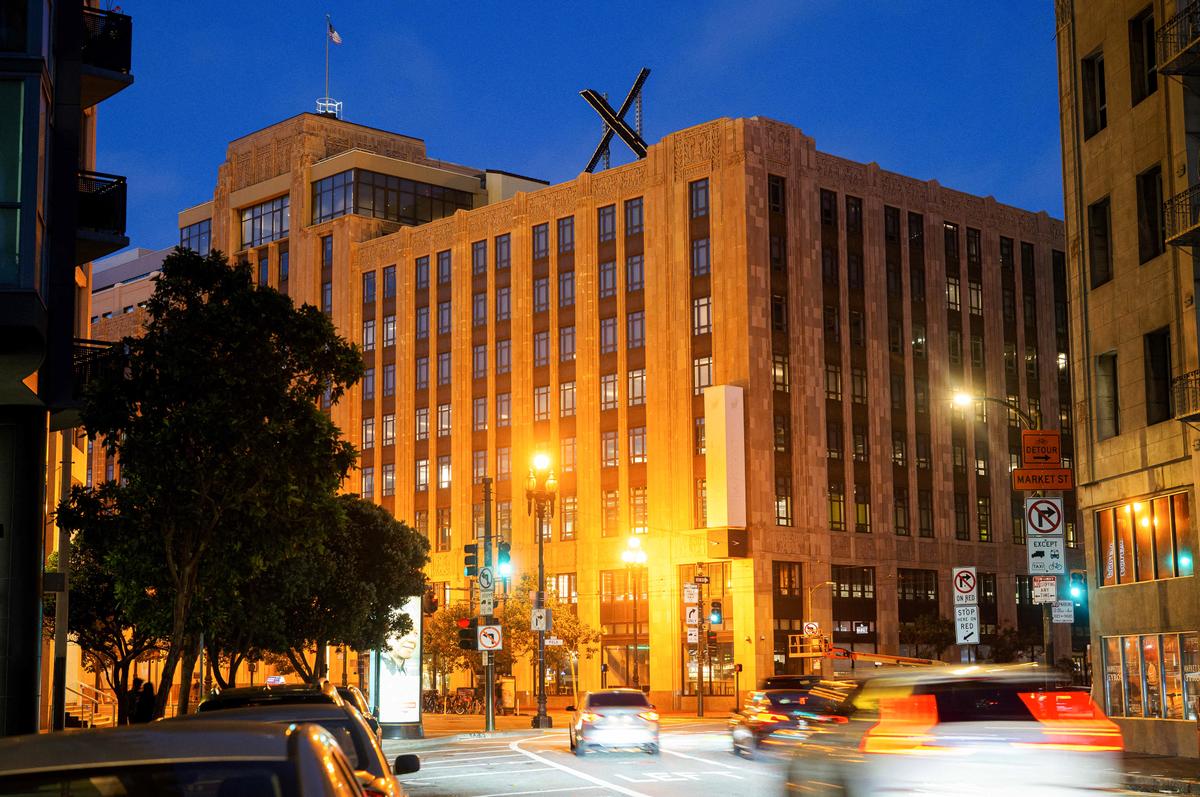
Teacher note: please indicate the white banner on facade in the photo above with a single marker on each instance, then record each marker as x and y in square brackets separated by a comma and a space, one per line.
[399, 672]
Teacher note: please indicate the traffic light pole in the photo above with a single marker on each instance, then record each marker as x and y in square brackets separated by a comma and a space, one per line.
[489, 660]
[701, 648]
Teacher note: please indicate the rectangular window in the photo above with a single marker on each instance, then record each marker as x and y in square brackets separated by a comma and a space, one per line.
[833, 327]
[783, 434]
[444, 267]
[541, 241]
[389, 330]
[541, 294]
[608, 449]
[443, 420]
[389, 478]
[701, 503]
[479, 413]
[779, 313]
[634, 273]
[264, 271]
[833, 440]
[702, 315]
[962, 524]
[862, 509]
[443, 472]
[443, 364]
[566, 399]
[833, 381]
[639, 511]
[854, 271]
[541, 403]
[368, 483]
[1151, 229]
[327, 298]
[975, 297]
[422, 475]
[1145, 540]
[635, 330]
[503, 303]
[503, 356]
[953, 297]
[637, 445]
[368, 384]
[899, 449]
[858, 385]
[567, 454]
[266, 222]
[389, 430]
[197, 237]
[420, 275]
[1108, 423]
[503, 473]
[606, 223]
[783, 500]
[859, 441]
[566, 288]
[608, 279]
[1095, 98]
[830, 274]
[541, 349]
[478, 309]
[609, 513]
[443, 529]
[503, 409]
[368, 336]
[700, 257]
[421, 323]
[1143, 72]
[828, 208]
[837, 508]
[633, 216]
[368, 287]
[925, 513]
[567, 514]
[636, 389]
[284, 261]
[566, 235]
[503, 252]
[566, 344]
[479, 258]
[702, 375]
[781, 378]
[983, 519]
[422, 423]
[1158, 375]
[368, 433]
[698, 198]
[389, 379]
[608, 335]
[608, 391]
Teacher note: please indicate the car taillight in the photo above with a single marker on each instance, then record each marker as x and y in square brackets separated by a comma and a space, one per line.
[588, 716]
[1071, 721]
[369, 792]
[769, 717]
[649, 716]
[903, 727]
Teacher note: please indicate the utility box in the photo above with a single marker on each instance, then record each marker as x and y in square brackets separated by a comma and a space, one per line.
[506, 695]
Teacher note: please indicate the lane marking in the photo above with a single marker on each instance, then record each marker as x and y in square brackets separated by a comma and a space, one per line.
[476, 774]
[701, 760]
[577, 773]
[539, 791]
[454, 762]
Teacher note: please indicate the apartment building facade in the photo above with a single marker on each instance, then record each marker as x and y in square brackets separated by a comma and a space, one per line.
[739, 349]
[1128, 78]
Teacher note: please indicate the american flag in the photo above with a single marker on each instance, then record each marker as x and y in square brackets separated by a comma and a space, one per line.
[334, 36]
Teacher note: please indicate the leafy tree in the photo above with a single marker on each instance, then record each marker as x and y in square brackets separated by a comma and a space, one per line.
[440, 641]
[1011, 644]
[358, 578]
[930, 632]
[109, 637]
[580, 640]
[214, 414]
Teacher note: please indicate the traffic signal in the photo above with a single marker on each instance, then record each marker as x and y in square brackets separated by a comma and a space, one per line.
[468, 633]
[1078, 586]
[503, 560]
[712, 637]
[429, 602]
[471, 560]
[714, 614]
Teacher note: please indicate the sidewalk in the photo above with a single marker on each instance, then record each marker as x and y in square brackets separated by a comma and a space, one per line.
[1163, 774]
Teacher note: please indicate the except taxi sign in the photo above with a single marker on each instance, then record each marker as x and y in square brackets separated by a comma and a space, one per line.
[1042, 479]
[965, 586]
[1046, 555]
[1041, 448]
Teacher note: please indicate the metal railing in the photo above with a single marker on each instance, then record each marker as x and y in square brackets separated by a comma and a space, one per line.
[96, 707]
[1185, 392]
[1181, 214]
[102, 202]
[107, 40]
[1177, 42]
[88, 357]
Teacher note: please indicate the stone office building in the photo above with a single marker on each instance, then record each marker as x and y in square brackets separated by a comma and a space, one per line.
[739, 349]
[1129, 72]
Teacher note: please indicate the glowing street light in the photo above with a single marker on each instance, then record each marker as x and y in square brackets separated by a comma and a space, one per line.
[541, 489]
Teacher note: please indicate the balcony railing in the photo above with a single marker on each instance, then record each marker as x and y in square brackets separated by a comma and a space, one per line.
[102, 202]
[107, 40]
[1182, 216]
[88, 357]
[1186, 395]
[1178, 42]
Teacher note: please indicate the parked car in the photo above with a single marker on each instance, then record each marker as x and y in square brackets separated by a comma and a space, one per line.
[346, 726]
[961, 730]
[778, 719]
[242, 696]
[354, 696]
[179, 759]
[613, 719]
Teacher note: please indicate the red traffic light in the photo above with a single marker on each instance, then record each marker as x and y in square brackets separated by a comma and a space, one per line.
[463, 623]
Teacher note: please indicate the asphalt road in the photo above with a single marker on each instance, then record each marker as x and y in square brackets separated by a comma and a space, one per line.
[695, 761]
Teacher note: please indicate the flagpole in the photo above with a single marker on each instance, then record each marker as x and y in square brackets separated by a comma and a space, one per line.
[328, 24]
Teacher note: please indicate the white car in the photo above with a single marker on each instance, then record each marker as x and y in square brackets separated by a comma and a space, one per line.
[977, 730]
[613, 719]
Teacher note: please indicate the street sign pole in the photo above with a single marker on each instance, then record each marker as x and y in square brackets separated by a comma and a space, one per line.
[701, 645]
[489, 666]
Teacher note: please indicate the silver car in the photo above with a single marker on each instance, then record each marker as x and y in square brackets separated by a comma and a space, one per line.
[614, 719]
[179, 759]
[980, 730]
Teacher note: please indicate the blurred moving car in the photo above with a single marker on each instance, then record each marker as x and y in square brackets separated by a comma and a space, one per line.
[772, 720]
[976, 730]
[344, 724]
[242, 696]
[354, 696]
[228, 759]
[614, 719]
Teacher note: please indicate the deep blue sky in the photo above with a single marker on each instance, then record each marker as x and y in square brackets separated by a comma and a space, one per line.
[965, 93]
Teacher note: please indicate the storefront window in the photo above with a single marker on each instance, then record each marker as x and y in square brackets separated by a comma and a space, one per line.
[1172, 678]
[1183, 534]
[1107, 548]
[1191, 675]
[1125, 572]
[1143, 536]
[1113, 691]
[1144, 540]
[1133, 677]
[1152, 668]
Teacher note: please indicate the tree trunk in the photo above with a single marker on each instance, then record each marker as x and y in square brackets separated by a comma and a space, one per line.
[321, 665]
[212, 648]
[179, 616]
[191, 650]
[119, 678]
[300, 665]
[235, 664]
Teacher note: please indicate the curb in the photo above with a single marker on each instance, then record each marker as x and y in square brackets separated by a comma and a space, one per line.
[1160, 784]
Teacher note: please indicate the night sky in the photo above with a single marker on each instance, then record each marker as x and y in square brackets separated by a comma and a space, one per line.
[963, 93]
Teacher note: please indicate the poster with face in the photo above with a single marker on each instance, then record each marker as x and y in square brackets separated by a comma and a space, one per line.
[399, 669]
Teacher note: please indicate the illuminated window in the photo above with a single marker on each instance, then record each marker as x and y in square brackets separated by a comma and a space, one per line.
[368, 335]
[422, 423]
[637, 445]
[608, 449]
[566, 399]
[608, 391]
[479, 413]
[610, 508]
[636, 393]
[503, 409]
[443, 420]
[389, 430]
[422, 474]
[701, 315]
[702, 374]
[639, 511]
[389, 330]
[567, 513]
[389, 478]
[541, 403]
[444, 472]
[368, 433]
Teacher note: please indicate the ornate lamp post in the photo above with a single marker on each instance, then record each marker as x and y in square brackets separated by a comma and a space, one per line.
[540, 491]
[635, 559]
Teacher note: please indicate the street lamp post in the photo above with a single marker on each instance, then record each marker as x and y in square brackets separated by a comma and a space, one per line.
[1029, 421]
[808, 593]
[540, 491]
[634, 558]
